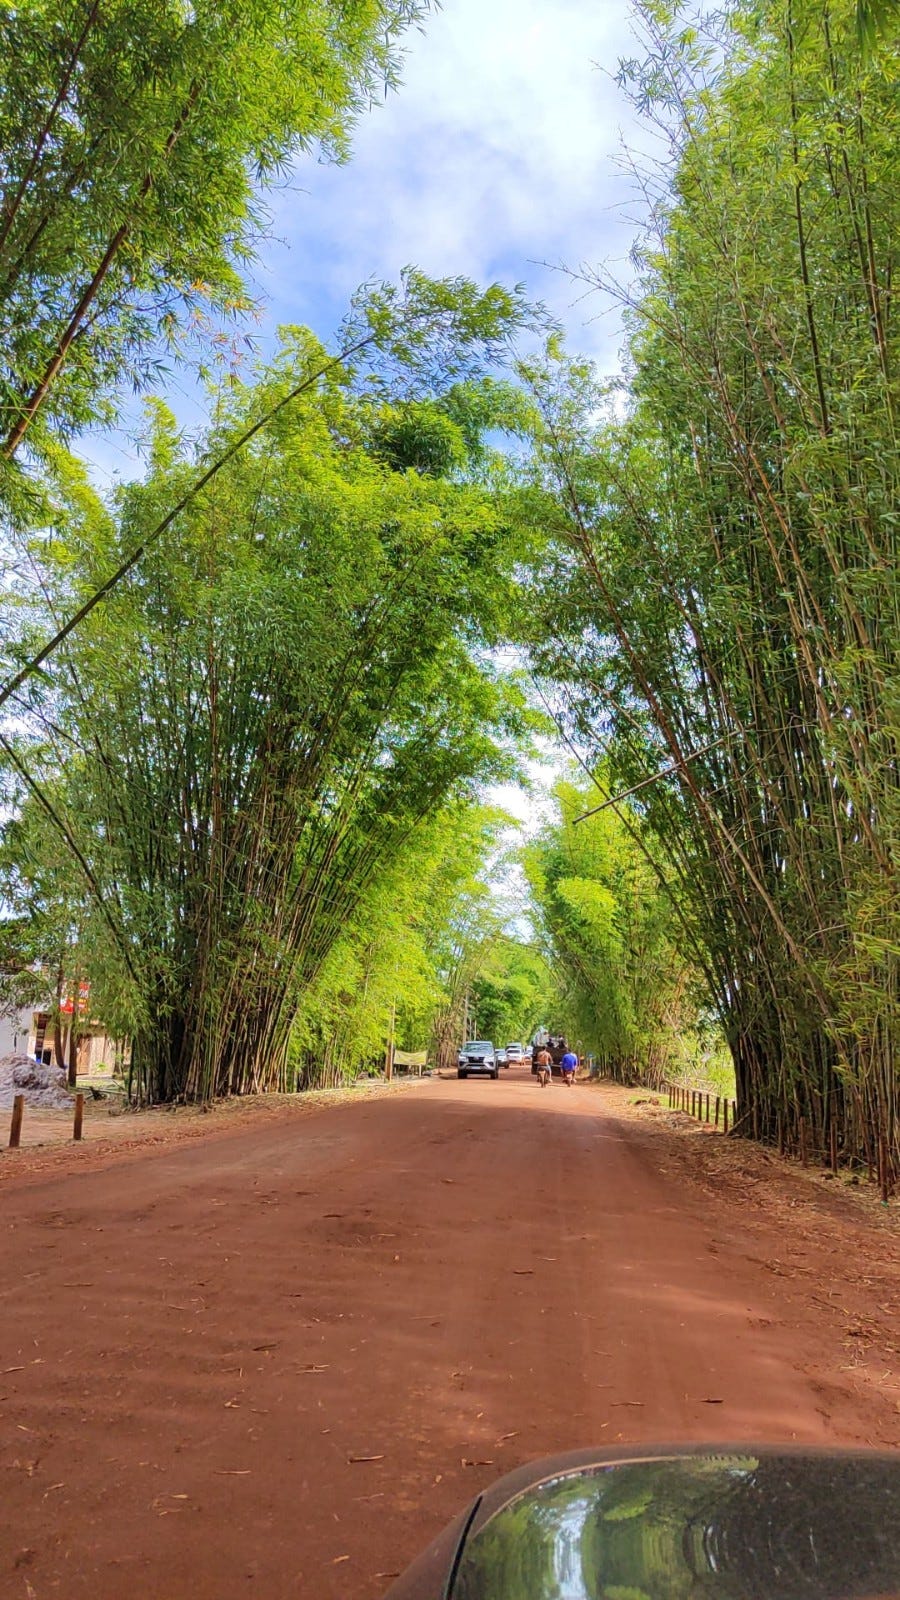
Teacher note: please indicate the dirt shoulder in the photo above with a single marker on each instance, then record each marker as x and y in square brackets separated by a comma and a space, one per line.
[112, 1131]
[831, 1240]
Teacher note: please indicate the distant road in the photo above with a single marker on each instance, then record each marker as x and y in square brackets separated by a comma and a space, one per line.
[273, 1363]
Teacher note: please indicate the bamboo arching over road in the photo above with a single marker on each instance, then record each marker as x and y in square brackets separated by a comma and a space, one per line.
[728, 614]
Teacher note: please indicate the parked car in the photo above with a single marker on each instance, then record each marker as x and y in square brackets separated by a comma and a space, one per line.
[478, 1056]
[514, 1055]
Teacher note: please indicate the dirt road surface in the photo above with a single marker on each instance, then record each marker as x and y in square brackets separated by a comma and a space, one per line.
[273, 1361]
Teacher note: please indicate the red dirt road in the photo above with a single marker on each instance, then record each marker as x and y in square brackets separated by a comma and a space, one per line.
[275, 1360]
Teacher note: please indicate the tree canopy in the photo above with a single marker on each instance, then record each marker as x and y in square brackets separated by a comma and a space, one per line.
[138, 139]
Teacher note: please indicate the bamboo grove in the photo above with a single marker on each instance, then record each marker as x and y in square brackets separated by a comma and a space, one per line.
[263, 714]
[725, 572]
[254, 696]
[632, 997]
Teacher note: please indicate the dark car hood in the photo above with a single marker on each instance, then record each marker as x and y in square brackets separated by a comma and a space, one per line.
[741, 1523]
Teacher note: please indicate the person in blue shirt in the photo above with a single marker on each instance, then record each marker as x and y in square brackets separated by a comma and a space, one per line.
[568, 1067]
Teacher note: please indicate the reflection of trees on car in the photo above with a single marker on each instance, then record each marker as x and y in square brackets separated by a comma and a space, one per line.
[729, 1526]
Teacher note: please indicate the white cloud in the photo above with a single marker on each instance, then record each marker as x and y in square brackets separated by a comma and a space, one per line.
[498, 153]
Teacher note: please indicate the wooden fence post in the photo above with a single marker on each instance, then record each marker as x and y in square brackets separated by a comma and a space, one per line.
[15, 1126]
[707, 1108]
[718, 1100]
[79, 1116]
[725, 1108]
[832, 1146]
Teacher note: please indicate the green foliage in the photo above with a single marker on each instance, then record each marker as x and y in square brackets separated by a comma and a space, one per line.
[137, 136]
[626, 992]
[513, 992]
[726, 555]
[388, 976]
[262, 714]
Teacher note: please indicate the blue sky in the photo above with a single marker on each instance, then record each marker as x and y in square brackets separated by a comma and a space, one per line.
[499, 157]
[497, 154]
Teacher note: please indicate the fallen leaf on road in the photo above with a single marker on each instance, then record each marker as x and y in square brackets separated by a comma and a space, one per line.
[338, 1559]
[365, 1458]
[713, 1402]
[523, 1272]
[13, 1369]
[626, 1402]
[484, 1463]
[232, 1472]
[314, 1369]
[505, 1436]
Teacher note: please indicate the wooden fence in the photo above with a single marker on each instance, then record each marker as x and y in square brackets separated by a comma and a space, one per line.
[711, 1108]
[18, 1117]
[701, 1106]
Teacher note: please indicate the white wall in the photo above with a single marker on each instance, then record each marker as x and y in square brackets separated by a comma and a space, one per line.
[16, 1033]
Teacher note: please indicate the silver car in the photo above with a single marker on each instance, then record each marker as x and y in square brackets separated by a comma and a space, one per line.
[478, 1056]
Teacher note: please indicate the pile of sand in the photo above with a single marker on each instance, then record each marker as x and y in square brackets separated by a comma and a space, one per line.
[41, 1086]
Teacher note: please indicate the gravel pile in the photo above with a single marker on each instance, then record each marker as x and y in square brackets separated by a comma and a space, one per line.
[41, 1086]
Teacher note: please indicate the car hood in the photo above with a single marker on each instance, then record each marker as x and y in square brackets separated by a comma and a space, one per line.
[741, 1523]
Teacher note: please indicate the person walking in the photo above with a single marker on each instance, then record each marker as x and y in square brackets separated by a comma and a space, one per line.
[569, 1066]
[544, 1067]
